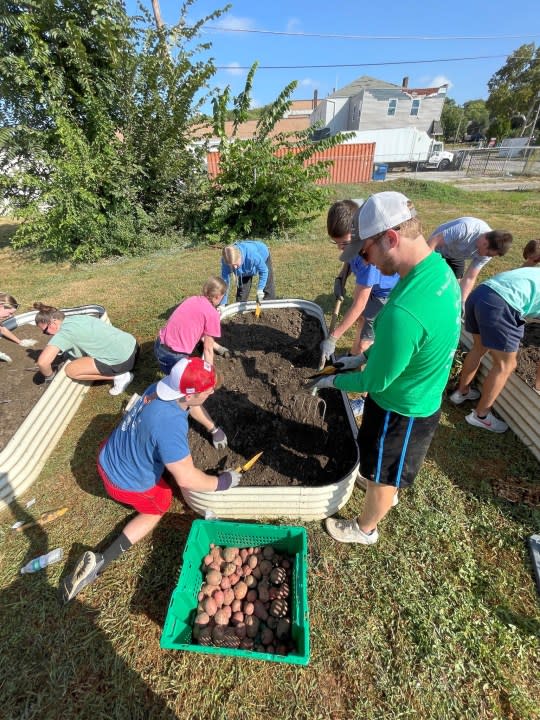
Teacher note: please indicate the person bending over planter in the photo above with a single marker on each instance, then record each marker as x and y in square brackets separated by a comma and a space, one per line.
[152, 436]
[495, 314]
[8, 305]
[102, 351]
[195, 319]
[243, 260]
[407, 368]
[469, 238]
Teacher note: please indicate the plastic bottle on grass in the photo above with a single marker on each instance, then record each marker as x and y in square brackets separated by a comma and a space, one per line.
[42, 561]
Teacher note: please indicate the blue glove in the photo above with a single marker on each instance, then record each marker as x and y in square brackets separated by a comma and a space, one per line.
[219, 439]
[326, 381]
[260, 295]
[328, 347]
[228, 479]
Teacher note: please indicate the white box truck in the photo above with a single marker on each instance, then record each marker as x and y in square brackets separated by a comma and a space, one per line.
[404, 148]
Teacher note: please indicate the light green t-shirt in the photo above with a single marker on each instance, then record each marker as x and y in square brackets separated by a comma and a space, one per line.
[520, 288]
[416, 335]
[86, 335]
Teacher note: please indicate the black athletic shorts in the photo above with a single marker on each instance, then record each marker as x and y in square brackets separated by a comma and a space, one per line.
[128, 364]
[392, 446]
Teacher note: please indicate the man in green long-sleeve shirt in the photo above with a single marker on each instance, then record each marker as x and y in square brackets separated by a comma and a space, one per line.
[416, 335]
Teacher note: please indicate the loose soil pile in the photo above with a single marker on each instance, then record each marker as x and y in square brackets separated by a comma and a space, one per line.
[263, 380]
[529, 355]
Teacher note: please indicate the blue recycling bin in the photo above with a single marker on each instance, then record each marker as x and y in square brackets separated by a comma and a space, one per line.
[379, 171]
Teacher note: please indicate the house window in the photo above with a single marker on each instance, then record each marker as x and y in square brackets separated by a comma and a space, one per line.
[392, 105]
[415, 107]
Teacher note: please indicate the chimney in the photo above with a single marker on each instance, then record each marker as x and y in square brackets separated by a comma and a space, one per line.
[405, 83]
[315, 99]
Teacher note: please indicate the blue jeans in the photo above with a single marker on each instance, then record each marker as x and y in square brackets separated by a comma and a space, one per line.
[166, 358]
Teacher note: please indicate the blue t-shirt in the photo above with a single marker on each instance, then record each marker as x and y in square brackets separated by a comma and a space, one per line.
[254, 256]
[368, 275]
[149, 437]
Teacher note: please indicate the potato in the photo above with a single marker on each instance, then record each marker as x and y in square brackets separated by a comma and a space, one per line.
[228, 596]
[277, 576]
[283, 628]
[237, 561]
[213, 577]
[252, 625]
[221, 617]
[225, 583]
[210, 606]
[228, 569]
[205, 636]
[237, 618]
[240, 590]
[250, 581]
[245, 570]
[252, 561]
[267, 636]
[208, 559]
[263, 591]
[268, 552]
[251, 595]
[266, 567]
[256, 573]
[249, 608]
[279, 608]
[218, 634]
[234, 578]
[279, 591]
[246, 644]
[236, 605]
[260, 611]
[230, 638]
[270, 649]
[229, 554]
[241, 630]
[219, 597]
[202, 619]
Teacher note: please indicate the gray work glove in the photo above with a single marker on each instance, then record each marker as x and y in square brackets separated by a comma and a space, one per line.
[27, 342]
[350, 362]
[326, 381]
[5, 357]
[339, 288]
[219, 439]
[328, 347]
[260, 295]
[228, 479]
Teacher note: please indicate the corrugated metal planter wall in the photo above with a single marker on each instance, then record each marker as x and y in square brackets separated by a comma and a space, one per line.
[351, 163]
[517, 404]
[23, 457]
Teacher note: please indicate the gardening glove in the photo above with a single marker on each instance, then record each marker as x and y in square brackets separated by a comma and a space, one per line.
[27, 342]
[219, 439]
[326, 381]
[228, 479]
[260, 296]
[350, 362]
[328, 347]
[339, 288]
[5, 357]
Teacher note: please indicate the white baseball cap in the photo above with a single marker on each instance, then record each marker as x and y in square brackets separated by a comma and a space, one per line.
[383, 211]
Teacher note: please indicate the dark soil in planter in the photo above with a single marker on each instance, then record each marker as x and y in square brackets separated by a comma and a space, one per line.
[529, 355]
[271, 358]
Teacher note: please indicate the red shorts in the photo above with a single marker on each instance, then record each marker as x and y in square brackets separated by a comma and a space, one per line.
[155, 501]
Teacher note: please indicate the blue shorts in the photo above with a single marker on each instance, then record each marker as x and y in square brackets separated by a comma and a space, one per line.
[487, 314]
[373, 306]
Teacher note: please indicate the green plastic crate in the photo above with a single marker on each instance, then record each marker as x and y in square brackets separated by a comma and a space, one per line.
[176, 633]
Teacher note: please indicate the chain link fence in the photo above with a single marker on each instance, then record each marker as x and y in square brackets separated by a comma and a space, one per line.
[524, 161]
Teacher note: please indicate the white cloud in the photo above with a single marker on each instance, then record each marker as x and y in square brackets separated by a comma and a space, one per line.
[233, 68]
[293, 25]
[309, 83]
[232, 22]
[439, 80]
[254, 104]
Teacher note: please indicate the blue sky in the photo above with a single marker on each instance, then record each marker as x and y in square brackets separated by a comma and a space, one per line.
[497, 30]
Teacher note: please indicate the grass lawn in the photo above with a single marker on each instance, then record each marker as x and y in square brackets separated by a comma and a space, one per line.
[439, 620]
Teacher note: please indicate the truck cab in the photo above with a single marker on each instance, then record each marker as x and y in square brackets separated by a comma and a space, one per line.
[438, 157]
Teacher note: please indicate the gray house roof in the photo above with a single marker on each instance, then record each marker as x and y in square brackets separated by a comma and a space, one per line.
[362, 83]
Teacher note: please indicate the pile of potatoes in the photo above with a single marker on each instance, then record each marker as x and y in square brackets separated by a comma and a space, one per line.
[244, 601]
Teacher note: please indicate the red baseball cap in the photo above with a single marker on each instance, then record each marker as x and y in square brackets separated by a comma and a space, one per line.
[188, 377]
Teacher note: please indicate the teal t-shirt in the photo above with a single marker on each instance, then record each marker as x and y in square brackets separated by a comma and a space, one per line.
[416, 335]
[520, 288]
[86, 335]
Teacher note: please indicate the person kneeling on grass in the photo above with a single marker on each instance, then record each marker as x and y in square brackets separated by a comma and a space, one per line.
[102, 351]
[8, 305]
[495, 314]
[152, 436]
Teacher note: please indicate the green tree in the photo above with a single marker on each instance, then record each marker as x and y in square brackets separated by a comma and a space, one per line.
[95, 123]
[267, 183]
[452, 120]
[514, 88]
[476, 117]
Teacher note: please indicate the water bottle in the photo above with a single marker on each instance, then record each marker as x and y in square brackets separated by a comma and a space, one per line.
[42, 561]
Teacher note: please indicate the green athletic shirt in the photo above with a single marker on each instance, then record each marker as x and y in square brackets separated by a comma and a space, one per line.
[416, 335]
[86, 335]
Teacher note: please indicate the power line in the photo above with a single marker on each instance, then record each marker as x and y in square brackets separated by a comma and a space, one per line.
[368, 64]
[217, 28]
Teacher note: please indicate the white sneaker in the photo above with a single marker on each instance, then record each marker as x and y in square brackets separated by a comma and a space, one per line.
[457, 398]
[120, 383]
[357, 407]
[347, 531]
[490, 422]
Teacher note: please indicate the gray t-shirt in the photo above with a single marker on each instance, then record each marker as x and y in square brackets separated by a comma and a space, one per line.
[459, 239]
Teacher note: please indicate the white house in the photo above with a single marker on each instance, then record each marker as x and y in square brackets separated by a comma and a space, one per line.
[371, 104]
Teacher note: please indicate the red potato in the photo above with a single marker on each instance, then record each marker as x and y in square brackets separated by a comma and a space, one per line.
[229, 569]
[221, 617]
[246, 644]
[234, 578]
[238, 561]
[256, 573]
[240, 590]
[215, 565]
[240, 630]
[228, 596]
[202, 619]
[252, 561]
[225, 583]
[250, 581]
[251, 595]
[243, 554]
[268, 552]
[279, 608]
[283, 628]
[205, 636]
[249, 608]
[266, 567]
[237, 618]
[277, 576]
[260, 611]
[210, 606]
[236, 605]
[208, 559]
[219, 598]
[213, 577]
[252, 626]
[267, 636]
[245, 570]
[230, 553]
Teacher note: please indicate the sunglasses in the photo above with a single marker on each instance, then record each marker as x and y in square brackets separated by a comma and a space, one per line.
[364, 253]
[11, 307]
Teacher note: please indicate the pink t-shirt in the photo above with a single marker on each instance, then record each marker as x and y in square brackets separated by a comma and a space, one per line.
[192, 319]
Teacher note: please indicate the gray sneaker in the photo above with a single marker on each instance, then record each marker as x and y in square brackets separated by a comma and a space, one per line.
[490, 422]
[457, 398]
[347, 531]
[85, 572]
